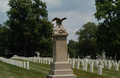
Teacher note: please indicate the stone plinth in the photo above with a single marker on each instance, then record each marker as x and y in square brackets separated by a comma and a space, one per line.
[103, 56]
[60, 68]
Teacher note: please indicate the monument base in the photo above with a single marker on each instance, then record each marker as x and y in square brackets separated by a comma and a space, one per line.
[61, 76]
[61, 70]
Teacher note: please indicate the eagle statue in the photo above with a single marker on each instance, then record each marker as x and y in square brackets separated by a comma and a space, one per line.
[59, 20]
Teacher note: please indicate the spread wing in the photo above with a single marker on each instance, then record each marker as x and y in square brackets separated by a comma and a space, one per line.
[55, 19]
[63, 18]
[58, 20]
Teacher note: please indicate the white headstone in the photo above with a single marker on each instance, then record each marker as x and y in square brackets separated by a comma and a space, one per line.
[24, 64]
[109, 66]
[100, 69]
[73, 65]
[96, 63]
[49, 61]
[116, 67]
[27, 65]
[78, 64]
[91, 67]
[85, 65]
[106, 63]
[45, 61]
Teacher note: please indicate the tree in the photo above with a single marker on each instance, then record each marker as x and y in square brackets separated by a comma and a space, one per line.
[87, 40]
[108, 34]
[4, 31]
[30, 29]
[72, 50]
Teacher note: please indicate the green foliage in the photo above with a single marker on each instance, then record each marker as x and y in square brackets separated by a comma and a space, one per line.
[30, 29]
[72, 50]
[108, 34]
[108, 10]
[87, 40]
[4, 31]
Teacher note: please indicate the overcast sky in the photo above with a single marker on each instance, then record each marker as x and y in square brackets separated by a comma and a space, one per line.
[78, 12]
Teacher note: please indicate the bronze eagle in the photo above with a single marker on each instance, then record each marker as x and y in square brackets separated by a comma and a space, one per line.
[59, 20]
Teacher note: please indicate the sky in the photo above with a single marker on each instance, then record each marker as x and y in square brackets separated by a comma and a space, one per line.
[78, 13]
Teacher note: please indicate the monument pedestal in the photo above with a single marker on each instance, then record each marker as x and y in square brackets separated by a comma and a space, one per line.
[60, 68]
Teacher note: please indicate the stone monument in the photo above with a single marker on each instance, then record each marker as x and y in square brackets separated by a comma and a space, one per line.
[60, 67]
[103, 55]
[38, 54]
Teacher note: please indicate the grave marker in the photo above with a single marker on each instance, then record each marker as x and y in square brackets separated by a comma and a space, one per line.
[60, 67]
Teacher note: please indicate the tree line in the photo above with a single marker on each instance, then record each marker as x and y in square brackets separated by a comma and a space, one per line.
[28, 30]
[105, 36]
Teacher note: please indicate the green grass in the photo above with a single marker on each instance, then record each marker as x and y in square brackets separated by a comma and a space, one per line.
[11, 71]
[42, 70]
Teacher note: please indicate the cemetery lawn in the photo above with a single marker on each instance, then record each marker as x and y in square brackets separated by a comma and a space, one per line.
[42, 70]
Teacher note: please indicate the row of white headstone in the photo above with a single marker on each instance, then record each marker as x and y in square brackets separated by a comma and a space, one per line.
[100, 64]
[94, 63]
[22, 64]
[36, 59]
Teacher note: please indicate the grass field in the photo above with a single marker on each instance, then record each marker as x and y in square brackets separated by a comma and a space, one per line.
[42, 70]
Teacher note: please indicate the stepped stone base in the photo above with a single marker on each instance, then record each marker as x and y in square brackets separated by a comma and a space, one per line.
[61, 70]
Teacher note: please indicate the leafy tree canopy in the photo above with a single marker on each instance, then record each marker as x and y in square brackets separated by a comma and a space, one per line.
[30, 29]
[87, 40]
[72, 50]
[108, 35]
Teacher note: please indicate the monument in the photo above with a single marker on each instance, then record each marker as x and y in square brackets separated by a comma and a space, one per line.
[60, 67]
[38, 54]
[103, 55]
